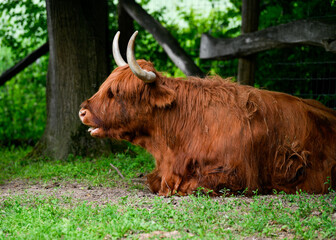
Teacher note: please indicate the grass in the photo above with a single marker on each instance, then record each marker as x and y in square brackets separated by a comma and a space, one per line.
[96, 172]
[36, 217]
[132, 216]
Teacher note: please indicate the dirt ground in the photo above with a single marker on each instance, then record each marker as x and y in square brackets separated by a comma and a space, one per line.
[80, 192]
[96, 195]
[77, 191]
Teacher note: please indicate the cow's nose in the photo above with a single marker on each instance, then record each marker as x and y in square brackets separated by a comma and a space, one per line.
[82, 113]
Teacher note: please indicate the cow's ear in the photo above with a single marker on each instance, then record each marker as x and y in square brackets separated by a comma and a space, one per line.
[161, 96]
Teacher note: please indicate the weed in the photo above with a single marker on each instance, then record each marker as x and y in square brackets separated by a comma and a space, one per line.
[328, 182]
[225, 191]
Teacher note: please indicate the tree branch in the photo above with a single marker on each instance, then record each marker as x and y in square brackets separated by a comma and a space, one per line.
[32, 57]
[115, 168]
[304, 32]
[164, 38]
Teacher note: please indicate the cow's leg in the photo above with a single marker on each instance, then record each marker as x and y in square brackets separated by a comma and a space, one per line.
[163, 185]
[188, 186]
[169, 184]
[154, 181]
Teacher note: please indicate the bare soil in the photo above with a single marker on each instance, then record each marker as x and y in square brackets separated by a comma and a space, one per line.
[101, 195]
[76, 191]
[81, 192]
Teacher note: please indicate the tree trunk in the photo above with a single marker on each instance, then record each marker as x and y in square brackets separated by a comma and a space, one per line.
[78, 64]
[126, 28]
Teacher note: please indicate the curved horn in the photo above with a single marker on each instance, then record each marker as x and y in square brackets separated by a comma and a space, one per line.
[147, 77]
[116, 52]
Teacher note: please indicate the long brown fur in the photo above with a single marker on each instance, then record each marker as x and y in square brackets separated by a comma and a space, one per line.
[215, 134]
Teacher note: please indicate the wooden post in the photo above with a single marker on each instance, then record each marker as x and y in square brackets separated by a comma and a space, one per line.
[250, 22]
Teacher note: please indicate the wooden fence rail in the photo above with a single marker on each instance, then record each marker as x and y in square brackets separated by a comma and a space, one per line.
[304, 32]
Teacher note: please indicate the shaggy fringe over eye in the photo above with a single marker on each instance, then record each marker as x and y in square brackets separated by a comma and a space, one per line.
[109, 93]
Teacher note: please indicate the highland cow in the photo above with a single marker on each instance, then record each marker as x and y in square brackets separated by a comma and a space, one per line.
[213, 133]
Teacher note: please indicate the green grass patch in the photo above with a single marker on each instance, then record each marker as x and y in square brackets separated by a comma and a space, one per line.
[39, 217]
[93, 171]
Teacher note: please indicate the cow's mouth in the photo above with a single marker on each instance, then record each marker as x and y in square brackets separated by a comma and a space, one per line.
[92, 130]
[95, 131]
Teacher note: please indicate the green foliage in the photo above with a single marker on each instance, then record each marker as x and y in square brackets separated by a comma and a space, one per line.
[22, 99]
[5, 59]
[24, 26]
[23, 106]
[274, 12]
[187, 30]
[304, 70]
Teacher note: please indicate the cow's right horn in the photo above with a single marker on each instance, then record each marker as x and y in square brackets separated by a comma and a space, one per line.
[116, 52]
[147, 77]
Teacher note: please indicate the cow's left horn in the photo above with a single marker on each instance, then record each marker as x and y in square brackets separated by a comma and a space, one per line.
[116, 52]
[147, 77]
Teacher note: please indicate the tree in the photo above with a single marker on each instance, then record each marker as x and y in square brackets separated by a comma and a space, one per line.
[126, 28]
[78, 64]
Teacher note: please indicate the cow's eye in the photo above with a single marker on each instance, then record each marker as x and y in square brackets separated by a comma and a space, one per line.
[109, 93]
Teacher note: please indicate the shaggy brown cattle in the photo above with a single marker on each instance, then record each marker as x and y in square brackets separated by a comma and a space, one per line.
[213, 133]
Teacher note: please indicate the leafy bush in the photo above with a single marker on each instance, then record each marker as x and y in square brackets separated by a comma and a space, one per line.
[23, 105]
[22, 99]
